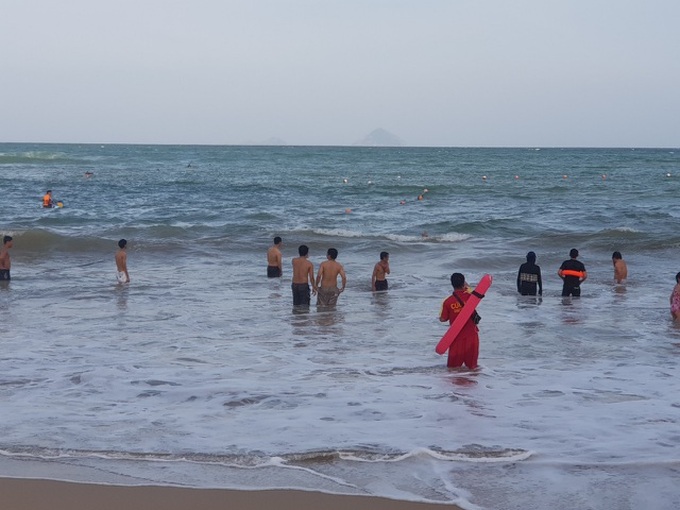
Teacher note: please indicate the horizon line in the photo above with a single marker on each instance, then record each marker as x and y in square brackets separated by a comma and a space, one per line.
[349, 146]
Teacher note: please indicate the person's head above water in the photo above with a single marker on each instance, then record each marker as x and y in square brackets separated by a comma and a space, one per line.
[332, 253]
[573, 253]
[277, 240]
[303, 250]
[458, 280]
[617, 255]
[122, 243]
[531, 257]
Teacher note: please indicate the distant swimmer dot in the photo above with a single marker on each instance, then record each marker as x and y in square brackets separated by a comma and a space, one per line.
[484, 177]
[604, 176]
[402, 202]
[348, 210]
[516, 176]
[345, 181]
[668, 175]
[425, 190]
[370, 182]
[564, 176]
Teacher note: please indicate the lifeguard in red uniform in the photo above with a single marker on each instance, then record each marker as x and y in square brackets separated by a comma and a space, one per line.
[465, 348]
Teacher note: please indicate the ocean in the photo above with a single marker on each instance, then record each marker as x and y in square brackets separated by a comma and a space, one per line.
[200, 373]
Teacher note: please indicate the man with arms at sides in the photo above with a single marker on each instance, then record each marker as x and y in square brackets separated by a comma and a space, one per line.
[5, 262]
[620, 267]
[529, 277]
[381, 269]
[327, 280]
[121, 262]
[275, 259]
[303, 276]
[465, 348]
[573, 274]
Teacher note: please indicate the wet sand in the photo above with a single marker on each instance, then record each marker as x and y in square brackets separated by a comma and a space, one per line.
[29, 494]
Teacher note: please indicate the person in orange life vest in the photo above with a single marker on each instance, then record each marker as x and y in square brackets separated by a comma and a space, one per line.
[47, 199]
[465, 348]
[573, 274]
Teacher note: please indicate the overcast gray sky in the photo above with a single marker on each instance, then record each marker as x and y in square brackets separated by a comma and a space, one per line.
[434, 72]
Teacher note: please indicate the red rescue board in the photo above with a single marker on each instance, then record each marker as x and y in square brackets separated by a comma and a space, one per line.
[464, 314]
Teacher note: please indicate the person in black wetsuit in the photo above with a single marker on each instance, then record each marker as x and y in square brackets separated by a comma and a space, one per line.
[529, 277]
[572, 282]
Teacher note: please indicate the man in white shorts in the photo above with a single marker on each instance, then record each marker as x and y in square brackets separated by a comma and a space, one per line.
[121, 262]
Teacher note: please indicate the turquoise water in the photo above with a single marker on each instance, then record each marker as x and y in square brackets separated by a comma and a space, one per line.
[200, 373]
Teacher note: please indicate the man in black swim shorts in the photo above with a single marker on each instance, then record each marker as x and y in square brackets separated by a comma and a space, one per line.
[573, 274]
[381, 269]
[5, 262]
[303, 276]
[275, 259]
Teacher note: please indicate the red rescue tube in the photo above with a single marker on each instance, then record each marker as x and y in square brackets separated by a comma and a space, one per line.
[571, 272]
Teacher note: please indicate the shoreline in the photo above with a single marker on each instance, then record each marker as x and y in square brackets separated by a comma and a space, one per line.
[40, 494]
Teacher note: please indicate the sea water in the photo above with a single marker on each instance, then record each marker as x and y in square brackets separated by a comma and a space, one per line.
[201, 373]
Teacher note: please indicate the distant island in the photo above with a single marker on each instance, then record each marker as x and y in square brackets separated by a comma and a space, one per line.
[269, 141]
[377, 138]
[380, 138]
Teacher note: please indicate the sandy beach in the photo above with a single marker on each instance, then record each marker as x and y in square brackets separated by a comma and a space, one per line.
[25, 494]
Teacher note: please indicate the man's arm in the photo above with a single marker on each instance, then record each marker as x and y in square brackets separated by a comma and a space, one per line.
[310, 276]
[585, 275]
[374, 276]
[343, 277]
[319, 275]
[540, 283]
[443, 313]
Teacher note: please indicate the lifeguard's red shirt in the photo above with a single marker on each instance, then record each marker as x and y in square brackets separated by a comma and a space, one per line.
[451, 307]
[465, 348]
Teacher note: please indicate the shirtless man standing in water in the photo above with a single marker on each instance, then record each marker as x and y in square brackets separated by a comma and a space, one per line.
[275, 259]
[380, 271]
[327, 280]
[620, 268]
[121, 262]
[5, 262]
[303, 275]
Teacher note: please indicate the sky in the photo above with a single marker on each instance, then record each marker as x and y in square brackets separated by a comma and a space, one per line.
[496, 73]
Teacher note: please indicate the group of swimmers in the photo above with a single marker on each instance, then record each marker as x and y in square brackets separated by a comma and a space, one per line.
[572, 271]
[325, 285]
[464, 351]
